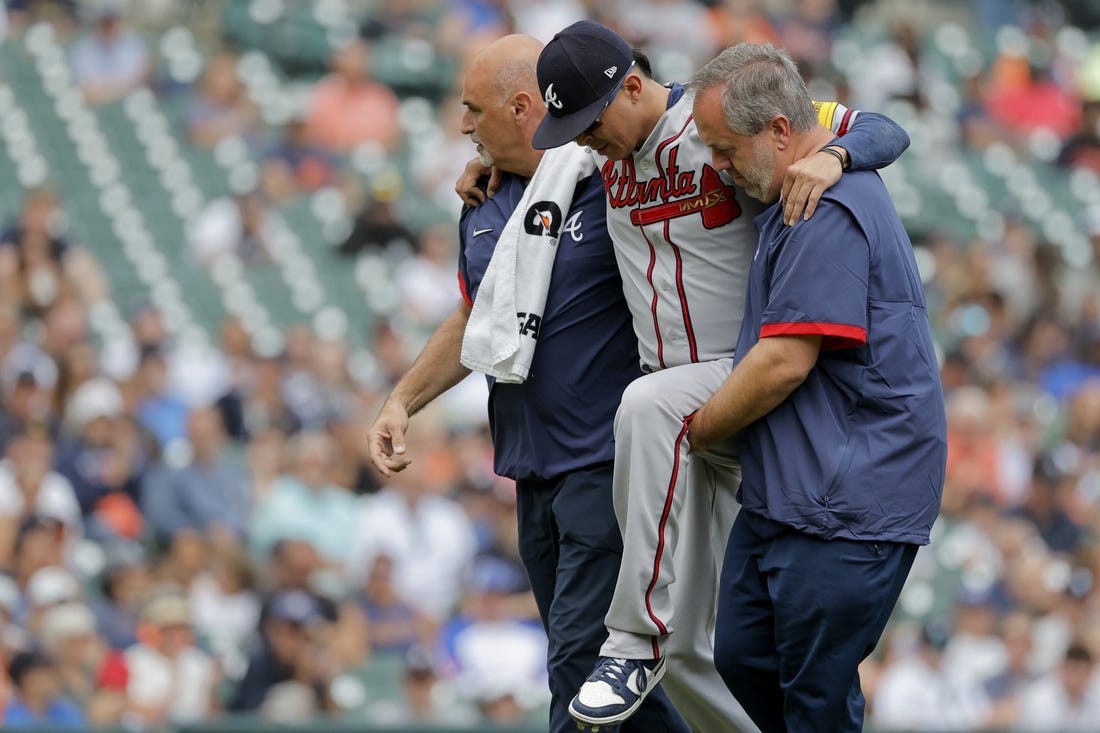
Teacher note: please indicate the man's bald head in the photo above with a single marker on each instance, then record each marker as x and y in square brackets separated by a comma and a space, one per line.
[508, 65]
[503, 104]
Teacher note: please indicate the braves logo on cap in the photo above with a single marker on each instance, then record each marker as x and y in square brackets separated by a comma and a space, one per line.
[550, 99]
[579, 72]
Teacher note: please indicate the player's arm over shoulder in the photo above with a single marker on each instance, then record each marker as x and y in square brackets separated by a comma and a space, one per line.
[872, 140]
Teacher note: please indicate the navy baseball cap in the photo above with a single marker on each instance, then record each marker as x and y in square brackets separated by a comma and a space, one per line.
[580, 71]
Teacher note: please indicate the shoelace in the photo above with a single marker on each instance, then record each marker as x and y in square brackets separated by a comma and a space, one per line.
[615, 672]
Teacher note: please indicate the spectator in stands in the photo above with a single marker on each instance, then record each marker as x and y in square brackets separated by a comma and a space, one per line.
[208, 494]
[737, 21]
[431, 540]
[103, 460]
[976, 650]
[303, 505]
[1046, 507]
[39, 544]
[11, 328]
[914, 693]
[426, 281]
[424, 701]
[257, 405]
[184, 561]
[1067, 700]
[660, 27]
[48, 587]
[1061, 617]
[977, 128]
[124, 584]
[38, 265]
[296, 565]
[505, 687]
[975, 450]
[295, 164]
[349, 108]
[1081, 430]
[893, 69]
[148, 327]
[264, 457]
[29, 486]
[390, 352]
[220, 107]
[293, 651]
[1004, 689]
[393, 626]
[68, 635]
[28, 378]
[38, 702]
[470, 24]
[21, 13]
[76, 365]
[111, 61]
[12, 635]
[377, 228]
[1025, 97]
[170, 680]
[807, 32]
[1082, 149]
[156, 408]
[319, 388]
[224, 602]
[241, 227]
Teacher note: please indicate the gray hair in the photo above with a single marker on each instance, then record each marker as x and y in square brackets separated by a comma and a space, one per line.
[759, 83]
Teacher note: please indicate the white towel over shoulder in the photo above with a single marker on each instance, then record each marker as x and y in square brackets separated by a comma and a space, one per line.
[503, 328]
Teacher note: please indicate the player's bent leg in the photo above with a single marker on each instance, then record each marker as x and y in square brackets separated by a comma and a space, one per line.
[692, 681]
[832, 599]
[744, 650]
[651, 468]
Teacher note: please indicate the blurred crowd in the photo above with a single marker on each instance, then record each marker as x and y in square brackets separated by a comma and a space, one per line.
[187, 533]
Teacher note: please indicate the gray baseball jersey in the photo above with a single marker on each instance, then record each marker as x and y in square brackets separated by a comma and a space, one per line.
[684, 238]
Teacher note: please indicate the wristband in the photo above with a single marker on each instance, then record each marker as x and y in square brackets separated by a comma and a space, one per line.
[835, 154]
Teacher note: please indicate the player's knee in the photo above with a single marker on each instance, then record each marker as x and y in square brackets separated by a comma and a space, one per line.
[643, 399]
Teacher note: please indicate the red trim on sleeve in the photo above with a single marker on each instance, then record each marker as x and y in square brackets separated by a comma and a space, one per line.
[844, 124]
[462, 290]
[835, 335]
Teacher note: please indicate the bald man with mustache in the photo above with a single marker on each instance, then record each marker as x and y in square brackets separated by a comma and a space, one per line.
[552, 433]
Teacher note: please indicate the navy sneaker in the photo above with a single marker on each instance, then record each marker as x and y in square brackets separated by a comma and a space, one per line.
[615, 689]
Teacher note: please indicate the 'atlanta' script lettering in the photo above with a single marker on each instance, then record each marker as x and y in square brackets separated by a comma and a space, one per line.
[624, 188]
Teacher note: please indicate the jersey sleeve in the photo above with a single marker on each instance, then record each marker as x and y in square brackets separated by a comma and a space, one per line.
[872, 140]
[835, 116]
[818, 281]
[463, 265]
